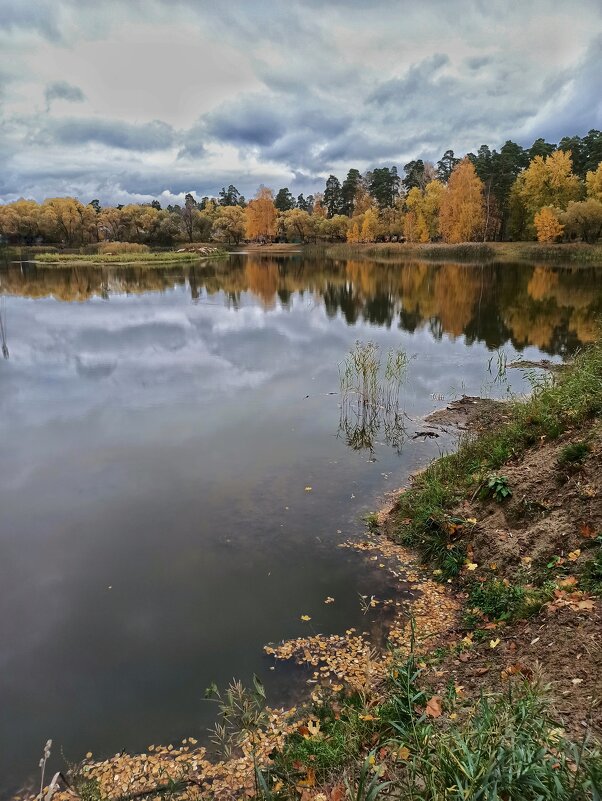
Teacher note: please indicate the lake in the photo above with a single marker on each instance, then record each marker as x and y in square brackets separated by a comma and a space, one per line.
[160, 432]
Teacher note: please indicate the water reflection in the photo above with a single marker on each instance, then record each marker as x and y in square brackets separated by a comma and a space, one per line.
[159, 428]
[552, 308]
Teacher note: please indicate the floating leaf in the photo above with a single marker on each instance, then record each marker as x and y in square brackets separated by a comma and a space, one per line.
[308, 489]
[329, 600]
[305, 617]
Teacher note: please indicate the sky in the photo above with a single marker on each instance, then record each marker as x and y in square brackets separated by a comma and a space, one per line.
[134, 100]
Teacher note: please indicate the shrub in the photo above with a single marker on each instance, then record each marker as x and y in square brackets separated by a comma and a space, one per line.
[122, 247]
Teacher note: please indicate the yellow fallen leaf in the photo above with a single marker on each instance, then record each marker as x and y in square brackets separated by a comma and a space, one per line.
[574, 555]
[313, 726]
[308, 489]
[471, 565]
[367, 717]
[494, 643]
[472, 520]
[305, 617]
[403, 752]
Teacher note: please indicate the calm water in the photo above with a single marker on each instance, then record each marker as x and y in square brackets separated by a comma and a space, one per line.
[158, 431]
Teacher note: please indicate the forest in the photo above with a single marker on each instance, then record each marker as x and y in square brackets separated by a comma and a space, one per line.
[549, 192]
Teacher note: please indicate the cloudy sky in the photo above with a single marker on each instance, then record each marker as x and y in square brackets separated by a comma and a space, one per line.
[129, 100]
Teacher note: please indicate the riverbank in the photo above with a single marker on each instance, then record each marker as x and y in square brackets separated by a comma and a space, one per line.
[574, 253]
[508, 531]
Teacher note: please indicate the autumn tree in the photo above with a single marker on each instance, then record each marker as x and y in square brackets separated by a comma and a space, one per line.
[21, 220]
[229, 224]
[423, 209]
[547, 225]
[353, 233]
[461, 218]
[334, 229]
[583, 220]
[370, 226]
[260, 215]
[593, 183]
[549, 181]
[65, 219]
[299, 225]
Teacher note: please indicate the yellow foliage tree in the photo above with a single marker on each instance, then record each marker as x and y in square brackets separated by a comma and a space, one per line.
[353, 234]
[261, 215]
[549, 181]
[593, 183]
[370, 226]
[462, 218]
[548, 226]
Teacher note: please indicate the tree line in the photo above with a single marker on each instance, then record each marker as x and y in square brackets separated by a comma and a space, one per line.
[549, 191]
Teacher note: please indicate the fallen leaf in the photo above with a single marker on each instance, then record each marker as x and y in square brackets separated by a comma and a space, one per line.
[471, 565]
[89, 755]
[310, 779]
[308, 489]
[574, 555]
[587, 531]
[588, 604]
[403, 752]
[367, 717]
[313, 726]
[329, 600]
[337, 793]
[576, 681]
[433, 707]
[305, 617]
[494, 643]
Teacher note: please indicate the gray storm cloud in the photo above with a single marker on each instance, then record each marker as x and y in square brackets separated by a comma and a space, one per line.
[177, 96]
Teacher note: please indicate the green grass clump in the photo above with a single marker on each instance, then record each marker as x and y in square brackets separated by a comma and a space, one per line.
[499, 600]
[574, 453]
[591, 579]
[569, 399]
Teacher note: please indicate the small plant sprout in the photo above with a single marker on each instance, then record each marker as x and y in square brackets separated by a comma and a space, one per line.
[497, 487]
[42, 764]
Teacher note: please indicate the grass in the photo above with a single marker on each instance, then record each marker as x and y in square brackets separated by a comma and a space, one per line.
[504, 746]
[469, 251]
[567, 400]
[78, 259]
[574, 453]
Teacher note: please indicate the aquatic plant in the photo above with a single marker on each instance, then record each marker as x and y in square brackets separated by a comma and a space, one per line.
[370, 390]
